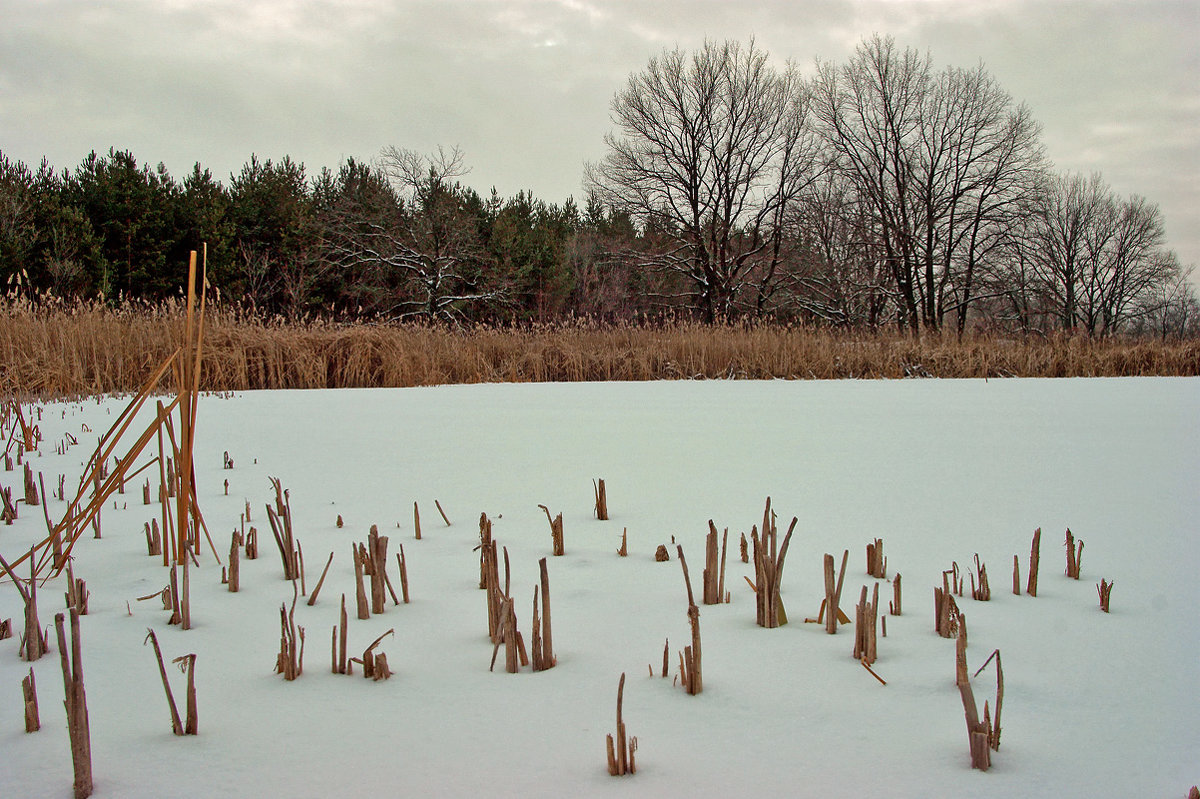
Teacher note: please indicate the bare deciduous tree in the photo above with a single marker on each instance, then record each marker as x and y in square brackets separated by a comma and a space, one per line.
[1098, 257]
[940, 160]
[710, 149]
[430, 245]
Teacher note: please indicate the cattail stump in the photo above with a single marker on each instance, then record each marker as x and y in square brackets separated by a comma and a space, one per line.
[33, 721]
[75, 700]
[620, 751]
[1035, 549]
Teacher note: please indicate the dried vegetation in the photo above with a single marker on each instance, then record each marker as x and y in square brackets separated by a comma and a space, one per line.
[55, 350]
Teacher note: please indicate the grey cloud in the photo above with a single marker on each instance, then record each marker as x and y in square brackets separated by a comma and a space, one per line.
[524, 87]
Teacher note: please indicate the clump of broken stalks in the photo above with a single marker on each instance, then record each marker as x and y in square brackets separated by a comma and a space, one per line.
[768, 569]
[1104, 588]
[830, 612]
[1074, 555]
[945, 609]
[983, 735]
[865, 627]
[280, 518]
[502, 614]
[980, 589]
[181, 522]
[876, 561]
[714, 574]
[620, 752]
[187, 664]
[370, 560]
[290, 660]
[34, 641]
[75, 699]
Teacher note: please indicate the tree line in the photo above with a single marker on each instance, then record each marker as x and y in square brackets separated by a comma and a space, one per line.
[879, 191]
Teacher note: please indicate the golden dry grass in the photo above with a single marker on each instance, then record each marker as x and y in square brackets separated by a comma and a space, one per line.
[58, 350]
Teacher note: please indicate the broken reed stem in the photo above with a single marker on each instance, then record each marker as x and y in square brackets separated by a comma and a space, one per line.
[714, 568]
[866, 627]
[946, 613]
[176, 724]
[485, 542]
[77, 594]
[312, 600]
[340, 638]
[1104, 588]
[187, 663]
[280, 519]
[876, 562]
[624, 550]
[290, 661]
[75, 700]
[417, 520]
[601, 509]
[1035, 549]
[235, 568]
[402, 565]
[994, 733]
[692, 674]
[833, 592]
[556, 532]
[442, 512]
[981, 591]
[153, 538]
[620, 751]
[35, 642]
[360, 592]
[894, 606]
[1074, 555]
[376, 559]
[375, 667]
[981, 734]
[547, 637]
[33, 721]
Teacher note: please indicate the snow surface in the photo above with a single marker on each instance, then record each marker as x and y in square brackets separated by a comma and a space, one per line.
[1095, 705]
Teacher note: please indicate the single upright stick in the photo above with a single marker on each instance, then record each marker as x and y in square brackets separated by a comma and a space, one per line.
[1034, 555]
[76, 704]
[548, 658]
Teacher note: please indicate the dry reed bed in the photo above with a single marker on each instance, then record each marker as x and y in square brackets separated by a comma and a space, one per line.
[62, 351]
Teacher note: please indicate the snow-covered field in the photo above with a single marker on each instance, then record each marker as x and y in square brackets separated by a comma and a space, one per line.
[1095, 705]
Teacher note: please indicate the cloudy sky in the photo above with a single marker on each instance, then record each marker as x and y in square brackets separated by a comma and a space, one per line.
[523, 86]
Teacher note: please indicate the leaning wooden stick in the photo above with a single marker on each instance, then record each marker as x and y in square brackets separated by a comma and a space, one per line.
[312, 600]
[176, 724]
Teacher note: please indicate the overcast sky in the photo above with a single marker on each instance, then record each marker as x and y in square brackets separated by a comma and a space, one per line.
[523, 86]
